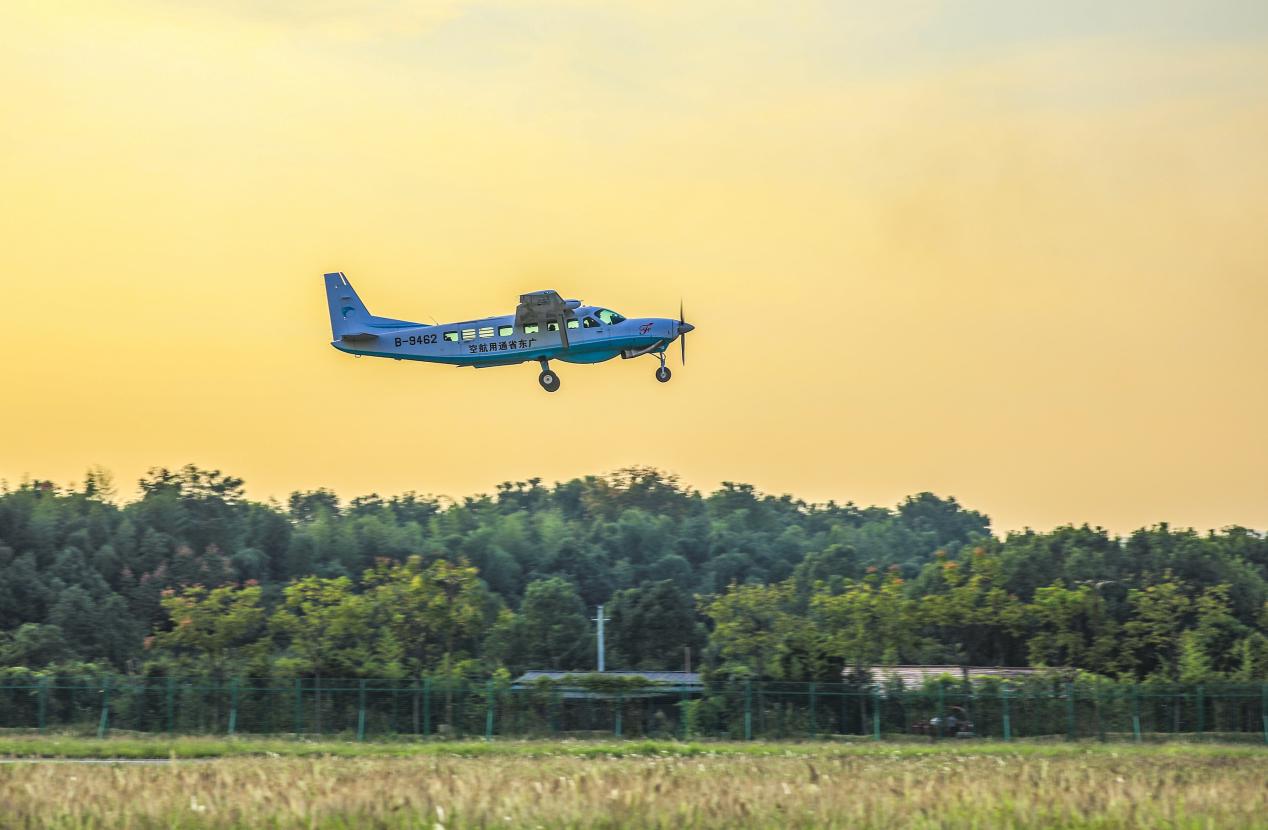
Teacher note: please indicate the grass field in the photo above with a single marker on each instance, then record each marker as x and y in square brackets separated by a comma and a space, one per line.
[252, 783]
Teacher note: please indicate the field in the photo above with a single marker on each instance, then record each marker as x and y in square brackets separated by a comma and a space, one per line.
[635, 785]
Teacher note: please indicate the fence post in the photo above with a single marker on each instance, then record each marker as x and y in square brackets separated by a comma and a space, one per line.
[43, 702]
[1100, 721]
[876, 714]
[299, 706]
[233, 706]
[140, 721]
[1071, 734]
[171, 704]
[682, 711]
[361, 710]
[748, 710]
[488, 712]
[427, 706]
[971, 691]
[941, 708]
[1008, 717]
[417, 707]
[620, 710]
[1201, 701]
[814, 722]
[104, 724]
[458, 721]
[1263, 707]
[1136, 712]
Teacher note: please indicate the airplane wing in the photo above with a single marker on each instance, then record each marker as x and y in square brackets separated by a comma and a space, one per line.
[543, 307]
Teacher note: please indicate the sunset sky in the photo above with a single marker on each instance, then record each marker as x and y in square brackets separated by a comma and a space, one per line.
[1012, 252]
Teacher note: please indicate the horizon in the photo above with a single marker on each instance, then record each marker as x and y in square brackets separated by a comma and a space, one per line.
[447, 500]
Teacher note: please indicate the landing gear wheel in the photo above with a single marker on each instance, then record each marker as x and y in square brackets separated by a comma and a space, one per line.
[549, 380]
[663, 374]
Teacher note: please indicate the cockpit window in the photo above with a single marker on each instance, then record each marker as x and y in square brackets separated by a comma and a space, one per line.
[609, 317]
[590, 323]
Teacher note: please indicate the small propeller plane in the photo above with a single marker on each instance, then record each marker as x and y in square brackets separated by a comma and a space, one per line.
[544, 327]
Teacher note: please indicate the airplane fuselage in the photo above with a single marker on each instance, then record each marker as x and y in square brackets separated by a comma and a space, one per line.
[497, 341]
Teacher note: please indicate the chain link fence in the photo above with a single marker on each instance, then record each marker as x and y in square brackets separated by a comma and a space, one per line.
[737, 710]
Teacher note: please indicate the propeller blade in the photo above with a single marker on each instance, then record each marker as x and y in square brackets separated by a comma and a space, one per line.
[682, 335]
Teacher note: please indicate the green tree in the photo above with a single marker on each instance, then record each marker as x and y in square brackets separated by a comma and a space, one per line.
[756, 632]
[1152, 635]
[429, 612]
[219, 632]
[556, 629]
[1073, 627]
[32, 645]
[977, 621]
[651, 626]
[871, 622]
[330, 631]
[1214, 636]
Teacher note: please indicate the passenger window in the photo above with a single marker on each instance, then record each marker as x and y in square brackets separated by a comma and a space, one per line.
[468, 334]
[505, 331]
[486, 331]
[552, 327]
[530, 328]
[590, 323]
[451, 337]
[573, 324]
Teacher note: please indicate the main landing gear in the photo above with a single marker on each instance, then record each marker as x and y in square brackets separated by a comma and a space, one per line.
[663, 374]
[548, 379]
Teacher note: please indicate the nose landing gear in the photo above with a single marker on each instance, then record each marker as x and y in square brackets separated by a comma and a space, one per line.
[663, 374]
[548, 379]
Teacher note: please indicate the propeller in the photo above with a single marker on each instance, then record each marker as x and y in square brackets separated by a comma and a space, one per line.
[683, 328]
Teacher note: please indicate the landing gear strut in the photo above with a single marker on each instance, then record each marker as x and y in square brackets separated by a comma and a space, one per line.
[548, 379]
[663, 374]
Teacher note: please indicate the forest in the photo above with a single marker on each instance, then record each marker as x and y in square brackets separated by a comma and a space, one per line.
[192, 578]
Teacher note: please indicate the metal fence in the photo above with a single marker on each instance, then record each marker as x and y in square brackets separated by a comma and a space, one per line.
[738, 710]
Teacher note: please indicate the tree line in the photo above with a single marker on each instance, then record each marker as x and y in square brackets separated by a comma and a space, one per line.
[193, 578]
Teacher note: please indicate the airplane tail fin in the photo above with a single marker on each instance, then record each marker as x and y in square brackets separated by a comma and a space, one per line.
[349, 318]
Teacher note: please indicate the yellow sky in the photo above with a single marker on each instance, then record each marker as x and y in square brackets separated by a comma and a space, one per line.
[1022, 260]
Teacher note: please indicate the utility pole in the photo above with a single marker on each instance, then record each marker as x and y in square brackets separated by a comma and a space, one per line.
[600, 619]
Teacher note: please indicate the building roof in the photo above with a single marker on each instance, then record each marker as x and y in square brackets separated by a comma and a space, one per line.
[682, 678]
[916, 675]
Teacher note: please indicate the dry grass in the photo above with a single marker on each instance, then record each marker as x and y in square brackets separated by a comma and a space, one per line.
[954, 787]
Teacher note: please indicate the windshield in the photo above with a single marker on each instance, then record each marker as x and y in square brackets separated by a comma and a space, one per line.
[609, 317]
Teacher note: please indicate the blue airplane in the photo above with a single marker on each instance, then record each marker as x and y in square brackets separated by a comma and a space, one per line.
[544, 327]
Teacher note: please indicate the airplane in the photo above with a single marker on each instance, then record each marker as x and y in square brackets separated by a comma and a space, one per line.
[544, 327]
